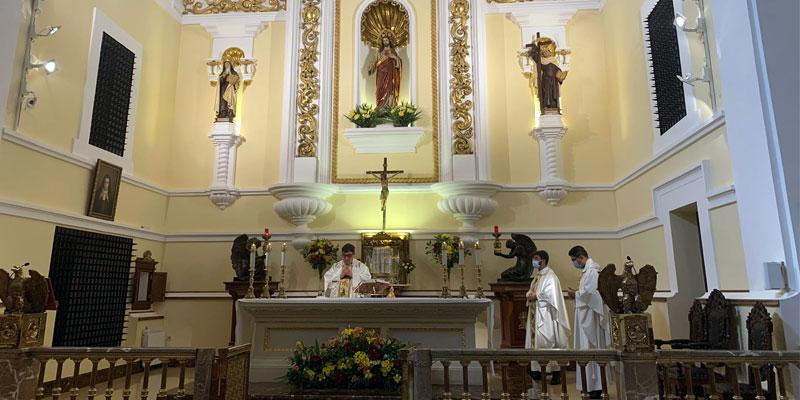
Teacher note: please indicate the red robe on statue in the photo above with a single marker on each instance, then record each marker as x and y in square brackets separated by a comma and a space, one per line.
[388, 72]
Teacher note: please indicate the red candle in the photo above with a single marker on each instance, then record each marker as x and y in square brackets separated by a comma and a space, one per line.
[266, 231]
[496, 229]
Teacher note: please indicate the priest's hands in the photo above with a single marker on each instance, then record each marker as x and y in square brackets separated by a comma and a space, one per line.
[531, 296]
[570, 293]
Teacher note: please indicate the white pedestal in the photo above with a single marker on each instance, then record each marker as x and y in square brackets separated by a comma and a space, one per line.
[384, 139]
[301, 204]
[467, 202]
[550, 133]
[226, 139]
[274, 326]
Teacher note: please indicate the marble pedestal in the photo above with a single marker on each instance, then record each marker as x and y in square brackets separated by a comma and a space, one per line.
[274, 326]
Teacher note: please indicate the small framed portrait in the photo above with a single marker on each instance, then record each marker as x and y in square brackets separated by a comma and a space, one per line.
[104, 190]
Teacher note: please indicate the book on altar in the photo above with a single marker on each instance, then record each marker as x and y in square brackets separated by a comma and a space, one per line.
[374, 288]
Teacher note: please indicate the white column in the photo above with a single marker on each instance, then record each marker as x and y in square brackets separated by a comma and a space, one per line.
[226, 139]
[747, 124]
[10, 20]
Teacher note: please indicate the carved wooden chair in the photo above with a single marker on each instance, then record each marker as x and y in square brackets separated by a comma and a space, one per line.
[711, 327]
[759, 338]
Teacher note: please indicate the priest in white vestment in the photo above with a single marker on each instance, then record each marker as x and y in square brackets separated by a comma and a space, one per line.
[548, 323]
[592, 329]
[344, 276]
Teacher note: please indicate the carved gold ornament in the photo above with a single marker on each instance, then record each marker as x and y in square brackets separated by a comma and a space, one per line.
[225, 6]
[233, 54]
[309, 87]
[460, 77]
[507, 1]
[385, 18]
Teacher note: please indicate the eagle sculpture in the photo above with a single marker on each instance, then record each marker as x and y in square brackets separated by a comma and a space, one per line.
[23, 295]
[628, 293]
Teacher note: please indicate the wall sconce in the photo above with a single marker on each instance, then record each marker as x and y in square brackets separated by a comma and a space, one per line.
[26, 97]
[699, 28]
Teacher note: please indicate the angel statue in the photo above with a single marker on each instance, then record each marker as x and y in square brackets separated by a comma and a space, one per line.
[522, 248]
[549, 75]
[240, 259]
[384, 27]
[636, 289]
[23, 295]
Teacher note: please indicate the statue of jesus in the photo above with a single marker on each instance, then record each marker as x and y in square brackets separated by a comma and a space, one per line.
[549, 75]
[388, 70]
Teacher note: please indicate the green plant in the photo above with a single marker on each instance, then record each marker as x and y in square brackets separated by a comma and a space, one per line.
[404, 114]
[447, 242]
[356, 358]
[320, 253]
[364, 116]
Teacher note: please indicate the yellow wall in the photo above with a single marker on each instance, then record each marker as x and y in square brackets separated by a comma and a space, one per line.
[728, 248]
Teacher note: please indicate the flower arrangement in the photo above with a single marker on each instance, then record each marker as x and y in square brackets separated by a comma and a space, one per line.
[356, 358]
[320, 253]
[365, 116]
[408, 266]
[450, 244]
[404, 114]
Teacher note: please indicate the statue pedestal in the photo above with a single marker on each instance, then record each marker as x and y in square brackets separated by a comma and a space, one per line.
[513, 316]
[632, 333]
[550, 133]
[22, 330]
[237, 290]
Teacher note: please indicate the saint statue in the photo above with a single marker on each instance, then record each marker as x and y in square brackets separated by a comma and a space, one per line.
[228, 85]
[522, 248]
[388, 70]
[549, 75]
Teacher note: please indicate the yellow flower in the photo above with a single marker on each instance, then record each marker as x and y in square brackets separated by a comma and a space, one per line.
[298, 344]
[402, 113]
[361, 358]
[328, 369]
[367, 375]
[397, 378]
[386, 366]
[347, 332]
[310, 373]
[357, 116]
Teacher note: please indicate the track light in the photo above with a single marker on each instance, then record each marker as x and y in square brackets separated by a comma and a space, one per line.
[48, 31]
[690, 79]
[48, 66]
[681, 20]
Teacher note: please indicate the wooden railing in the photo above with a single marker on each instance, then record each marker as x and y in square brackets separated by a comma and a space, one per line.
[130, 373]
[672, 369]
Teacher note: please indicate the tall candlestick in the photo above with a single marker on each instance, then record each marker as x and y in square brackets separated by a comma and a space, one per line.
[283, 254]
[478, 288]
[266, 254]
[444, 255]
[265, 290]
[461, 253]
[250, 290]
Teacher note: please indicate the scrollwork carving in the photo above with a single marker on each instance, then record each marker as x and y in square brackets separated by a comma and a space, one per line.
[460, 77]
[309, 87]
[226, 6]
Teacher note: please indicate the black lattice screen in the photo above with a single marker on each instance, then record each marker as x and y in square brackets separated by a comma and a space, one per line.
[666, 65]
[112, 97]
[90, 273]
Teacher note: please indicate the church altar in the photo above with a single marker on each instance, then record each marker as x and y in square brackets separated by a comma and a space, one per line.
[274, 326]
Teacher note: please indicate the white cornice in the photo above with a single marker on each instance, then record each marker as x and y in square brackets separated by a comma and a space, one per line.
[173, 7]
[233, 24]
[544, 6]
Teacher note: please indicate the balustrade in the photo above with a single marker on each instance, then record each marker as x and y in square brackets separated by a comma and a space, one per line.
[687, 374]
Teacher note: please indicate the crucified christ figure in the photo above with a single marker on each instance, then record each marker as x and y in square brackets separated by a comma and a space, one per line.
[384, 176]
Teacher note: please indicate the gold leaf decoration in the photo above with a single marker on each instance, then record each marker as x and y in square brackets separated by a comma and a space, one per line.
[385, 18]
[460, 77]
[309, 87]
[226, 6]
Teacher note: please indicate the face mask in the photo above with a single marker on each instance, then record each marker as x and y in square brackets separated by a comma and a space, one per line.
[535, 263]
[578, 266]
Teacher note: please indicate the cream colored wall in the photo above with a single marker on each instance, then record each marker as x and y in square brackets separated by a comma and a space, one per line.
[728, 248]
[56, 118]
[648, 247]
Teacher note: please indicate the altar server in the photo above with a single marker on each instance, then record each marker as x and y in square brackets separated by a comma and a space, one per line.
[548, 322]
[591, 318]
[344, 277]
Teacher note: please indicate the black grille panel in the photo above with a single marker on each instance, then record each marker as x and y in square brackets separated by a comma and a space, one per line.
[112, 97]
[666, 65]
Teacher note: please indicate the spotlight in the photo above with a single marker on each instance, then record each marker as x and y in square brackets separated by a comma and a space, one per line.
[680, 22]
[48, 66]
[49, 31]
[690, 79]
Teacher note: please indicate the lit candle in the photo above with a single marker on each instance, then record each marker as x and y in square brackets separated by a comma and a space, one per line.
[496, 229]
[266, 232]
[283, 254]
[477, 253]
[269, 249]
[253, 257]
[460, 253]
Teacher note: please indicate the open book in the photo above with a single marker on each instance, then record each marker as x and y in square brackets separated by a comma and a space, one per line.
[374, 288]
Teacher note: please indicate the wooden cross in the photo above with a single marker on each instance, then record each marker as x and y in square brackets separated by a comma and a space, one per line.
[384, 176]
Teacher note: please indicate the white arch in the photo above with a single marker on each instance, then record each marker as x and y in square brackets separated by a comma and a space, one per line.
[412, 49]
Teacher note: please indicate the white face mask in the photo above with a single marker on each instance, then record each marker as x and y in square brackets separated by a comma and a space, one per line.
[535, 263]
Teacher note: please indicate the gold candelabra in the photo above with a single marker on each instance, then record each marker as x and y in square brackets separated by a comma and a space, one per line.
[445, 282]
[392, 281]
[462, 291]
[250, 290]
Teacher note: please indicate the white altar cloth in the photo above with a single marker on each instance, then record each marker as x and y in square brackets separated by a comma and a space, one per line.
[273, 326]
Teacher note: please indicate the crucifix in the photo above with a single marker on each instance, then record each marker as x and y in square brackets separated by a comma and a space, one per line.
[384, 175]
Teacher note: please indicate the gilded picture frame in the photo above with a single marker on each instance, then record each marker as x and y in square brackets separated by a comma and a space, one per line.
[104, 191]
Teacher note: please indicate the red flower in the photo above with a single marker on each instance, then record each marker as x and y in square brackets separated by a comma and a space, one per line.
[315, 360]
[374, 353]
[348, 348]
